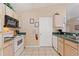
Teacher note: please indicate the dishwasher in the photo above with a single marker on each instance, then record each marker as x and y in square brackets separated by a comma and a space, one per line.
[54, 43]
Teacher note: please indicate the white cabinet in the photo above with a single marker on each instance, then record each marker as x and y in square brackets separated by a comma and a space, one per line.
[9, 11]
[15, 15]
[1, 52]
[58, 20]
[2, 13]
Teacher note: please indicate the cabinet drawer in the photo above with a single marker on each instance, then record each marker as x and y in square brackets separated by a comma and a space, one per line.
[74, 45]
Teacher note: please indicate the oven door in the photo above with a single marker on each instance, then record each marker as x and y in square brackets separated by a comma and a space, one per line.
[18, 42]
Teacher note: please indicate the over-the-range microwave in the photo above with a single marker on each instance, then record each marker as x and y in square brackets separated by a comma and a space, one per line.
[11, 22]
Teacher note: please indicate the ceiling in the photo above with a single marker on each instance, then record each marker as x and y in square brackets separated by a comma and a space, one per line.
[25, 7]
[72, 8]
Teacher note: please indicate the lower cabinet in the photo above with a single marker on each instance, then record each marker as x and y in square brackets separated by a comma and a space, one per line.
[0, 52]
[67, 48]
[71, 48]
[78, 49]
[70, 51]
[8, 51]
[60, 46]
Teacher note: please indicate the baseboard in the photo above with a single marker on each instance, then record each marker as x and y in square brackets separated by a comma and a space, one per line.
[38, 46]
[32, 46]
[46, 46]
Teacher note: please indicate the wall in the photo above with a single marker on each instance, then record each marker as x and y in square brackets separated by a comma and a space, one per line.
[71, 25]
[30, 31]
[36, 13]
[2, 13]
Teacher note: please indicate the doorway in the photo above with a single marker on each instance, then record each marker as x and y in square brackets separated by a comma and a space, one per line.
[45, 31]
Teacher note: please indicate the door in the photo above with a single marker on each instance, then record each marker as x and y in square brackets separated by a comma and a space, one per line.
[45, 30]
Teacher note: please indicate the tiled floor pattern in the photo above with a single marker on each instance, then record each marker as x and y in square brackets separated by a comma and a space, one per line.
[39, 51]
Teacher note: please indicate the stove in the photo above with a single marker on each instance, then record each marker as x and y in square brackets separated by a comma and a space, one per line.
[18, 44]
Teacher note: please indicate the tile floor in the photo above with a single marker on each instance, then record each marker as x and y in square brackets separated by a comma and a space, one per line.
[39, 51]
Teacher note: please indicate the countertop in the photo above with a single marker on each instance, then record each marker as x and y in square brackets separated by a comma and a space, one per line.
[6, 39]
[21, 33]
[67, 37]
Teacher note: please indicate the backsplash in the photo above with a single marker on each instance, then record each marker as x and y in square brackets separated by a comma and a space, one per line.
[67, 33]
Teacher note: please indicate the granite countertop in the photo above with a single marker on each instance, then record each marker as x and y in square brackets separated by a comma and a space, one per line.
[67, 37]
[22, 33]
[6, 39]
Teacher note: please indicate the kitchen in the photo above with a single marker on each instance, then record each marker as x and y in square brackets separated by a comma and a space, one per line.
[48, 29]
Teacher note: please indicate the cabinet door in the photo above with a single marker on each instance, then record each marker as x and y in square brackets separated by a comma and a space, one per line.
[78, 49]
[54, 40]
[2, 13]
[0, 52]
[8, 51]
[60, 47]
[58, 20]
[9, 11]
[15, 15]
[70, 51]
[1, 39]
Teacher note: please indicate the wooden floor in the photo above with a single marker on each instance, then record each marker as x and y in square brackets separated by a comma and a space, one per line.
[39, 51]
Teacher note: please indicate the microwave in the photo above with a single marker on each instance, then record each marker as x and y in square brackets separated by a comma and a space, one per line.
[11, 22]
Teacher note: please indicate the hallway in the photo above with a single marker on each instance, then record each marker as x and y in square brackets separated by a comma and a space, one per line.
[39, 51]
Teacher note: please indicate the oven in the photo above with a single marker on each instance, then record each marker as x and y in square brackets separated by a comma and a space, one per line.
[18, 43]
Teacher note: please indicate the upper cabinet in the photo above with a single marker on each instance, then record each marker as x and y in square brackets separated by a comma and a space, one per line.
[2, 13]
[15, 15]
[11, 14]
[58, 21]
[9, 11]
